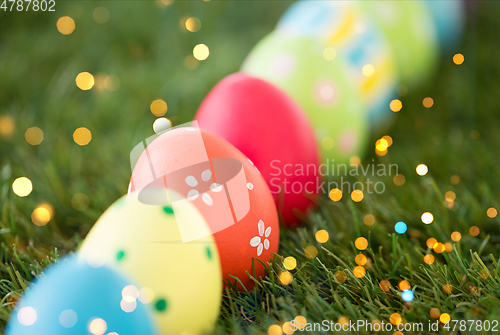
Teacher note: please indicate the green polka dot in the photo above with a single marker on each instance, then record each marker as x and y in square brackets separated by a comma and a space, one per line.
[120, 255]
[209, 253]
[168, 210]
[161, 305]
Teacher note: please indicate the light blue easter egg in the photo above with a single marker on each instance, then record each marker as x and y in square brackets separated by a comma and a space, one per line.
[73, 298]
[449, 19]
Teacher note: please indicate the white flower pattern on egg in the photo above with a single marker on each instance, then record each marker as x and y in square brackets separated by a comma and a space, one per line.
[257, 240]
[194, 194]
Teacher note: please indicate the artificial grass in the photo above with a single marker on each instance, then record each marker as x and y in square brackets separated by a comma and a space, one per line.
[144, 45]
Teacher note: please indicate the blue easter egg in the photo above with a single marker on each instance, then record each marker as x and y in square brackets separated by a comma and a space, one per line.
[449, 19]
[73, 298]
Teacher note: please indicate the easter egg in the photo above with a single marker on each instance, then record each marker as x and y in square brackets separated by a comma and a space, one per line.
[449, 19]
[323, 88]
[411, 34]
[256, 117]
[73, 298]
[343, 25]
[227, 189]
[180, 280]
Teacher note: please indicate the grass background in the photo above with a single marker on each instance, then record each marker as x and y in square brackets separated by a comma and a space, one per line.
[143, 43]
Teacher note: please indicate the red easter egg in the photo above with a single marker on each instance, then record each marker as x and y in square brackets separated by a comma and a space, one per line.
[265, 124]
[225, 187]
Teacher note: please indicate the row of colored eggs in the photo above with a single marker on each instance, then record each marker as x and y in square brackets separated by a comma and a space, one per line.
[325, 79]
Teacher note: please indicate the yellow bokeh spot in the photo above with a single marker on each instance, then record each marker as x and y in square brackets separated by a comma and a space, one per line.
[336, 194]
[455, 180]
[491, 212]
[396, 105]
[322, 236]
[447, 288]
[311, 251]
[290, 263]
[439, 248]
[429, 259]
[191, 63]
[380, 153]
[361, 243]
[112, 83]
[98, 326]
[355, 161]
[404, 285]
[427, 218]
[357, 195]
[448, 247]
[327, 143]
[42, 214]
[395, 319]
[274, 330]
[445, 318]
[65, 25]
[456, 236]
[340, 277]
[82, 136]
[7, 125]
[201, 52]
[388, 139]
[381, 144]
[369, 220]
[193, 24]
[431, 242]
[300, 322]
[422, 169]
[368, 70]
[22, 187]
[474, 231]
[359, 272]
[434, 313]
[399, 179]
[34, 136]
[329, 53]
[450, 196]
[428, 102]
[458, 59]
[85, 81]
[101, 15]
[285, 278]
[158, 107]
[360, 259]
[343, 320]
[385, 285]
[287, 328]
[397, 332]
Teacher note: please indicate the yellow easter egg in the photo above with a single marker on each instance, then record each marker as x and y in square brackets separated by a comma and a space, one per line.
[179, 282]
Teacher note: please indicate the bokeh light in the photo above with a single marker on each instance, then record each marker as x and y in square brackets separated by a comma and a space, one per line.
[22, 187]
[400, 227]
[450, 196]
[191, 63]
[311, 251]
[161, 124]
[431, 242]
[329, 53]
[357, 195]
[458, 59]
[287, 329]
[456, 236]
[368, 70]
[484, 274]
[361, 243]
[66, 25]
[427, 218]
[396, 105]
[429, 259]
[158, 107]
[474, 231]
[404, 285]
[7, 125]
[327, 143]
[428, 102]
[335, 194]
[274, 330]
[388, 139]
[445, 318]
[201, 52]
[447, 288]
[455, 180]
[395, 319]
[193, 24]
[385, 285]
[27, 316]
[98, 326]
[369, 220]
[80, 201]
[407, 295]
[34, 136]
[322, 236]
[359, 271]
[101, 15]
[340, 277]
[82, 136]
[492, 212]
[354, 161]
[399, 179]
[85, 81]
[360, 259]
[290, 263]
[422, 169]
[285, 278]
[300, 322]
[42, 214]
[434, 313]
[112, 83]
[439, 248]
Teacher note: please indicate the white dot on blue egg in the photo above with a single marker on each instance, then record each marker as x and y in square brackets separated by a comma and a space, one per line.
[407, 295]
[68, 318]
[400, 227]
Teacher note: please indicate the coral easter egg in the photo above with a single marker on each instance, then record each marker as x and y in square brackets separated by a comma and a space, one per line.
[266, 125]
[225, 187]
[178, 279]
[411, 34]
[323, 88]
[73, 298]
[343, 25]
